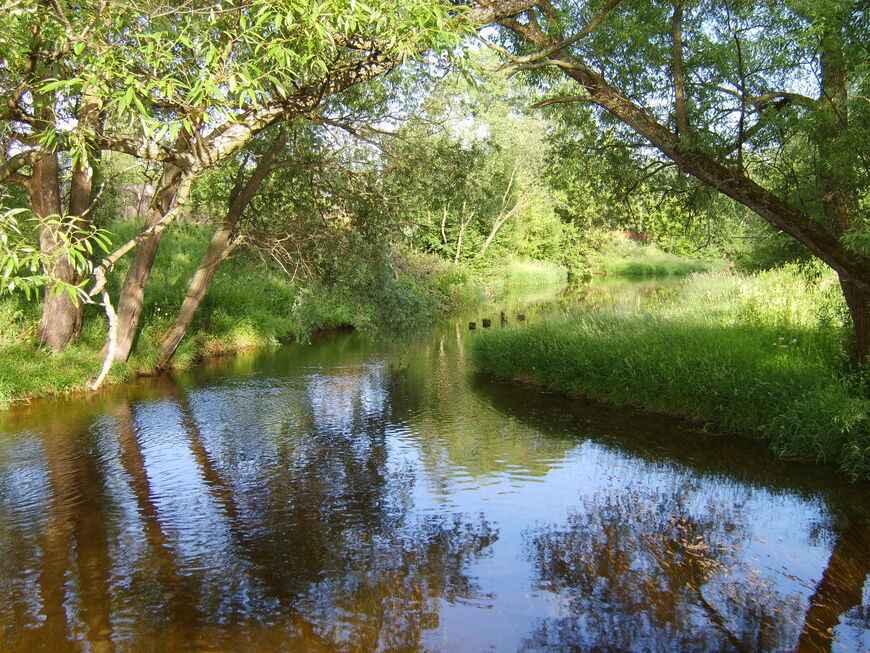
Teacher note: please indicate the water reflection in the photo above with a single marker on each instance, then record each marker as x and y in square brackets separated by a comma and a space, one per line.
[649, 572]
[193, 547]
[352, 496]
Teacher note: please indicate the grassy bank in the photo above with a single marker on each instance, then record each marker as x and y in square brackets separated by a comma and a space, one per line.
[762, 355]
[249, 305]
[517, 276]
[626, 258]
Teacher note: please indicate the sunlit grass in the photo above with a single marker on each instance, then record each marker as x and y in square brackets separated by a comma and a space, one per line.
[626, 258]
[764, 355]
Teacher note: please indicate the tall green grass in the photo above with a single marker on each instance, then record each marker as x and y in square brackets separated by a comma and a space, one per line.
[519, 275]
[763, 355]
[627, 258]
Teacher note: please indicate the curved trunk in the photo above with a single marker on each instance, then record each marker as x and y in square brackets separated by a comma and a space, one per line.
[219, 247]
[217, 251]
[133, 290]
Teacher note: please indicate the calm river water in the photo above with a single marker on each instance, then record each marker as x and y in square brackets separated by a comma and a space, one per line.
[349, 495]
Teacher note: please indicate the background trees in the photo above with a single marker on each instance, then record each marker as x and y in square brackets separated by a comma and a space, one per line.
[626, 116]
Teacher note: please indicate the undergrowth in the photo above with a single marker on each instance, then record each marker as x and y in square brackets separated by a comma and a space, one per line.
[627, 258]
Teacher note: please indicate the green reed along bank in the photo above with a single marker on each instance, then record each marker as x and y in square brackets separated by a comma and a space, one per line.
[762, 355]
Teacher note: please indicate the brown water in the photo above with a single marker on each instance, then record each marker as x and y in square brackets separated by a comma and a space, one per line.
[357, 496]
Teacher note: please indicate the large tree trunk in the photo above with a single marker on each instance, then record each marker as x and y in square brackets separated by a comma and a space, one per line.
[218, 248]
[61, 318]
[133, 290]
[836, 172]
[858, 300]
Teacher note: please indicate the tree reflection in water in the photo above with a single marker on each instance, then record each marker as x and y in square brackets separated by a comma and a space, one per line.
[649, 573]
[336, 498]
[168, 539]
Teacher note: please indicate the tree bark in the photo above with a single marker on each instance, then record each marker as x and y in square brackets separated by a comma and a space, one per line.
[836, 172]
[61, 318]
[133, 291]
[858, 301]
[681, 105]
[218, 249]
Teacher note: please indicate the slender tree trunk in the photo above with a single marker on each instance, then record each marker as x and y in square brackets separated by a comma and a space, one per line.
[503, 216]
[497, 225]
[458, 254]
[218, 249]
[133, 290]
[463, 223]
[681, 105]
[61, 319]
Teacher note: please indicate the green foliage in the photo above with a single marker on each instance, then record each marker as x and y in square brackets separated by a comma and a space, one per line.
[261, 312]
[761, 355]
[628, 258]
[27, 268]
[469, 170]
[155, 71]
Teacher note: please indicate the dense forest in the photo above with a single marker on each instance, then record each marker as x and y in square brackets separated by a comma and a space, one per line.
[186, 179]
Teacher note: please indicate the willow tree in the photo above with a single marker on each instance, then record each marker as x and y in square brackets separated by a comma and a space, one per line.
[184, 85]
[765, 102]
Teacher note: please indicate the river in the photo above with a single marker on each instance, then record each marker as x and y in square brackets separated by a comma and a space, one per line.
[354, 495]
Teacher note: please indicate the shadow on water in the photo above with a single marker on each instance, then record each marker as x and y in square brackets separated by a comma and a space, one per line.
[358, 496]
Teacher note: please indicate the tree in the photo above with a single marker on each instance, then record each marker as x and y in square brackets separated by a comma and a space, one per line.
[484, 187]
[725, 89]
[184, 86]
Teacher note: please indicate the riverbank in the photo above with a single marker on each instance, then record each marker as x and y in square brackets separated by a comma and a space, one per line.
[762, 355]
[622, 257]
[249, 305]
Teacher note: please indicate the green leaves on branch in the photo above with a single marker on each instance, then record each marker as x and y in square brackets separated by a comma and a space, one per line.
[25, 268]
